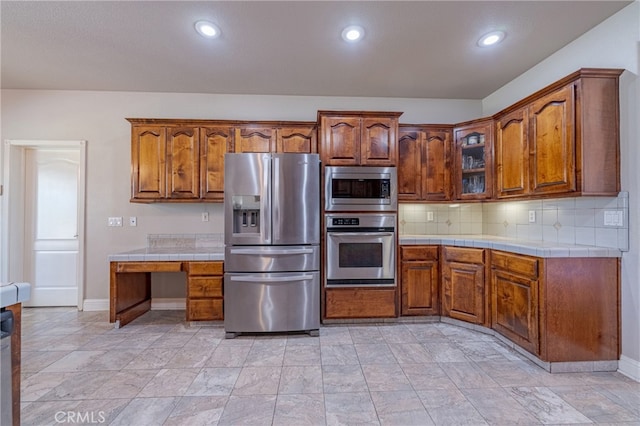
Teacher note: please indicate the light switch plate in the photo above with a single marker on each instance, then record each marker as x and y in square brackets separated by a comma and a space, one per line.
[115, 221]
[133, 221]
[613, 218]
[429, 216]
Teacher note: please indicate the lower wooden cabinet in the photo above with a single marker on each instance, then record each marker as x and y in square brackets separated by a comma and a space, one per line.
[515, 288]
[360, 303]
[464, 294]
[419, 278]
[560, 309]
[204, 291]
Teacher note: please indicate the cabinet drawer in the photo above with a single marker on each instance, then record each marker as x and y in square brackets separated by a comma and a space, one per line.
[463, 255]
[205, 287]
[360, 303]
[205, 268]
[418, 253]
[204, 309]
[151, 266]
[515, 263]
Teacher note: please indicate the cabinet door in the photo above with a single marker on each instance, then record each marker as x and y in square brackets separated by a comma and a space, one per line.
[215, 142]
[515, 309]
[436, 174]
[551, 144]
[255, 139]
[512, 159]
[409, 165]
[297, 140]
[148, 162]
[340, 141]
[463, 291]
[419, 277]
[183, 155]
[379, 141]
[473, 162]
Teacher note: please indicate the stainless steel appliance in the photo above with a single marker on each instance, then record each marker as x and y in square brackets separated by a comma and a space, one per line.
[361, 250]
[272, 237]
[349, 188]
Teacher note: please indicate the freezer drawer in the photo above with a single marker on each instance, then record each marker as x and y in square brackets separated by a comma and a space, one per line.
[267, 302]
[271, 258]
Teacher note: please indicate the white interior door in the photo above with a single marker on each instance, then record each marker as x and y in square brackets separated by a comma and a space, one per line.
[51, 226]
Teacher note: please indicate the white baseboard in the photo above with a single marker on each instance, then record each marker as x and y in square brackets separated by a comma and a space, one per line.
[95, 305]
[629, 367]
[168, 304]
[157, 304]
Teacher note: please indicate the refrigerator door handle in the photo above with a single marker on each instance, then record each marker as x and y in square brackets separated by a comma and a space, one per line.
[261, 252]
[265, 200]
[276, 199]
[262, 279]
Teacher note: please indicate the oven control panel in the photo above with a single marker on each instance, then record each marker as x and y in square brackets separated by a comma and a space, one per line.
[345, 221]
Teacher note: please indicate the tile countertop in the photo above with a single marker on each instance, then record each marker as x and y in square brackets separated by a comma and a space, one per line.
[169, 254]
[12, 293]
[531, 248]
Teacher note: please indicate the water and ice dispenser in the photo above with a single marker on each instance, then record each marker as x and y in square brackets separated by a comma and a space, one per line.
[246, 214]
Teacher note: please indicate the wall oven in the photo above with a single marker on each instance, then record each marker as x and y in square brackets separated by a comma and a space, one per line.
[349, 188]
[361, 250]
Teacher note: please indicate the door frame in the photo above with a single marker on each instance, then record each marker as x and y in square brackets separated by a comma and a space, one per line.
[12, 232]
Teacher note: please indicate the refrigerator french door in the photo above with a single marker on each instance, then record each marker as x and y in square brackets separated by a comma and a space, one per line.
[272, 237]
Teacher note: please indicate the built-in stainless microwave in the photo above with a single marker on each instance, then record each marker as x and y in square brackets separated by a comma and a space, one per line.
[352, 188]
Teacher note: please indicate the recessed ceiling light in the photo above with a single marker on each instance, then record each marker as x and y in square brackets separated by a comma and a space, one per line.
[353, 33]
[491, 38]
[207, 29]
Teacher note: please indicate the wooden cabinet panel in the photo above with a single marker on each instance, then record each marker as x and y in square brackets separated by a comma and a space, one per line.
[204, 287]
[183, 154]
[511, 155]
[419, 278]
[360, 303]
[255, 139]
[340, 141]
[353, 138]
[148, 162]
[297, 140]
[464, 294]
[409, 164]
[215, 142]
[424, 163]
[379, 141]
[436, 177]
[515, 298]
[552, 142]
[205, 268]
[204, 310]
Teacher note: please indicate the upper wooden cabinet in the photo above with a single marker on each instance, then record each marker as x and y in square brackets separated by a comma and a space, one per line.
[424, 163]
[561, 140]
[473, 160]
[183, 160]
[352, 138]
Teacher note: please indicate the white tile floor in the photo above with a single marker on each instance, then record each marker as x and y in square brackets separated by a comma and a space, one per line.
[78, 369]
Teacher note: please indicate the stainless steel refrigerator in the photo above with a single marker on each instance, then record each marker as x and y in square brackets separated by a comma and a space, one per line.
[272, 243]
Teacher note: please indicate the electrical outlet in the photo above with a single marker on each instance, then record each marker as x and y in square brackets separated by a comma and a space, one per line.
[205, 216]
[115, 221]
[429, 216]
[532, 216]
[133, 221]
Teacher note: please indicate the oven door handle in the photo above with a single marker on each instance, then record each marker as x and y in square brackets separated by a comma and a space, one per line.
[272, 252]
[262, 279]
[360, 234]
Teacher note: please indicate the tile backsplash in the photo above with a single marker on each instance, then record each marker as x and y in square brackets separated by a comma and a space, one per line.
[578, 220]
[158, 241]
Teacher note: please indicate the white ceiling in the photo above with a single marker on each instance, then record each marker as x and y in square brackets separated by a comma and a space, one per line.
[414, 49]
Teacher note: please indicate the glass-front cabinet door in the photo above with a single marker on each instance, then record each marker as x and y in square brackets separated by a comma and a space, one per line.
[473, 161]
